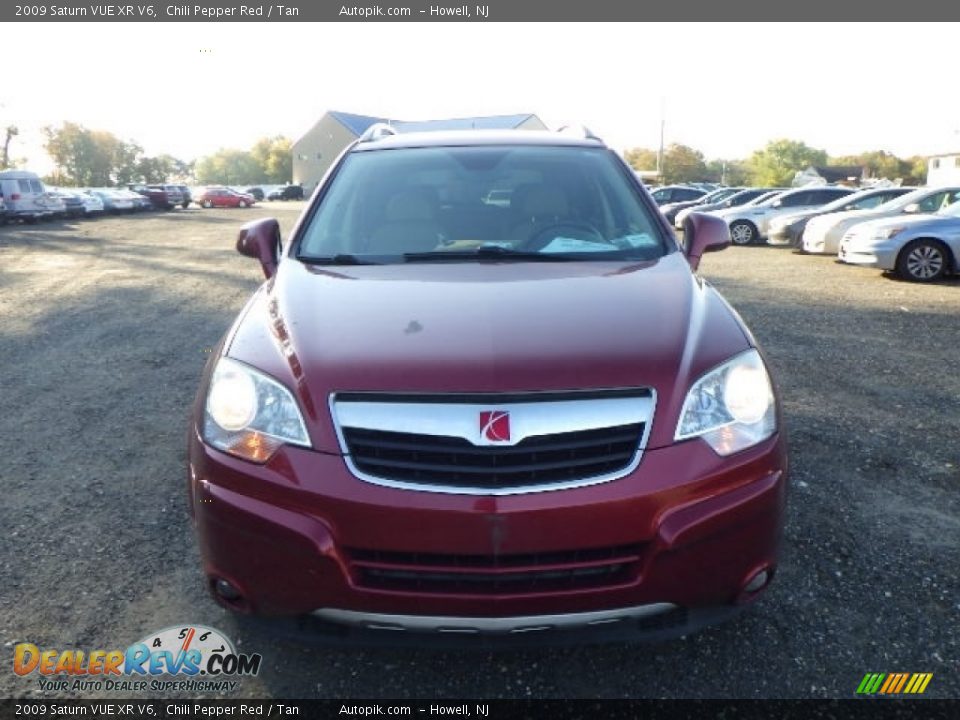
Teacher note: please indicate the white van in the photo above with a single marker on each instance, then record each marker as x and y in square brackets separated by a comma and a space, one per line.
[25, 196]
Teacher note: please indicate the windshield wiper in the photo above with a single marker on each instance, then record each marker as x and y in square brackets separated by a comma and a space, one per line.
[484, 252]
[338, 259]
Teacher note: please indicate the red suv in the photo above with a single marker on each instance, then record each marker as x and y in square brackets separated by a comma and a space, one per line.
[526, 418]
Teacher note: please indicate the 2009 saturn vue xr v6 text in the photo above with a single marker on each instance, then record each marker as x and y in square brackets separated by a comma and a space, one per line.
[520, 418]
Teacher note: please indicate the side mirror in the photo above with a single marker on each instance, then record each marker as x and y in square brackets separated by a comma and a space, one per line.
[260, 239]
[703, 233]
[776, 203]
[911, 208]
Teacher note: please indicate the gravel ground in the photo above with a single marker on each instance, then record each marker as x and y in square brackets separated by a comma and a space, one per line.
[104, 328]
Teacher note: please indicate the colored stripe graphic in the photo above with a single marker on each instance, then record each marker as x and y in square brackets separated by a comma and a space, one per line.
[894, 683]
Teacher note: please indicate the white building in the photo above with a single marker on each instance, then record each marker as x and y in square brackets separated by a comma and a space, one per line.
[943, 169]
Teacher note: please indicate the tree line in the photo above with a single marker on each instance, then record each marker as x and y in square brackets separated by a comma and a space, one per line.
[772, 166]
[84, 157]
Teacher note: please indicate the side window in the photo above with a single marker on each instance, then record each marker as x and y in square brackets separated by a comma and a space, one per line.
[822, 197]
[35, 186]
[932, 203]
[688, 195]
[24, 185]
[796, 200]
[869, 202]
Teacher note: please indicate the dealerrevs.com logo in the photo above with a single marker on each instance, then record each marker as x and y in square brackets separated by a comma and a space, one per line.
[190, 658]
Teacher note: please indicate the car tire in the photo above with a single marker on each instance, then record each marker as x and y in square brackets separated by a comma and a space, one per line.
[242, 204]
[185, 204]
[207, 204]
[743, 232]
[923, 261]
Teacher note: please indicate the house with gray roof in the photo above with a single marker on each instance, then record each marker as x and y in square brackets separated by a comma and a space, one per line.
[322, 144]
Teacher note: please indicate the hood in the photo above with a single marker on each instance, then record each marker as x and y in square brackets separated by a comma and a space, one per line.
[905, 220]
[487, 327]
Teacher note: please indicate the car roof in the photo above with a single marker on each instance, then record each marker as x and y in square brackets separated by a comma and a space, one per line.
[470, 138]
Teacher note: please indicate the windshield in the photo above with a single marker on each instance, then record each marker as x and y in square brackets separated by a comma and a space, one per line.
[543, 202]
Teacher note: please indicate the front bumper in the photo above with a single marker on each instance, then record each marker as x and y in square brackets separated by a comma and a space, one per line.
[878, 257]
[296, 536]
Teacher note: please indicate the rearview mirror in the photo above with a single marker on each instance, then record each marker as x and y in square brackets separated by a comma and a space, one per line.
[703, 233]
[260, 239]
[911, 208]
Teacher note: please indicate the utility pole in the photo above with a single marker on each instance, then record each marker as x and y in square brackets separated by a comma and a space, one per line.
[663, 102]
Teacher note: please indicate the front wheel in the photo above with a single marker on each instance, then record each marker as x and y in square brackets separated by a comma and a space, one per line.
[242, 204]
[742, 233]
[922, 261]
[207, 204]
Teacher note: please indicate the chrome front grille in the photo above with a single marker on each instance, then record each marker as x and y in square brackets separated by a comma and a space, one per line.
[453, 461]
[444, 443]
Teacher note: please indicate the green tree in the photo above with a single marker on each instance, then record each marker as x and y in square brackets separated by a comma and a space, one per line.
[275, 157]
[10, 132]
[683, 164]
[229, 167]
[730, 172]
[915, 170]
[777, 163]
[82, 156]
[641, 158]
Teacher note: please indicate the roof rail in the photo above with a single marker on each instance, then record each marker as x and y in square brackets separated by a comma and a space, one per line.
[580, 131]
[377, 131]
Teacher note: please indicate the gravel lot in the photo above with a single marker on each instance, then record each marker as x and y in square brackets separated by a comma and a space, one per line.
[104, 328]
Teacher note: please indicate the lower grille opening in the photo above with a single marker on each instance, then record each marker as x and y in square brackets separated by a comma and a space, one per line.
[504, 574]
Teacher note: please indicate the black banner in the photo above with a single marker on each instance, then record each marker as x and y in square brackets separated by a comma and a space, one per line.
[483, 11]
[484, 709]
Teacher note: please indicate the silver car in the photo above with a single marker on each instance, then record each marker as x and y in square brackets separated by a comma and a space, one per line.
[748, 224]
[921, 248]
[823, 234]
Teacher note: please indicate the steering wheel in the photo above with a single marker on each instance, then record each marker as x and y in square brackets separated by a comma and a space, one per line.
[568, 228]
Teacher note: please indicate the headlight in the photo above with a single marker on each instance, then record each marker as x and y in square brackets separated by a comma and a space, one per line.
[884, 233]
[731, 407]
[250, 415]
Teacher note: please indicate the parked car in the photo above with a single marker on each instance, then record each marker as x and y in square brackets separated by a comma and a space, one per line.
[676, 193]
[823, 234]
[748, 224]
[256, 192]
[92, 205]
[25, 196]
[568, 430]
[3, 212]
[919, 247]
[738, 199]
[287, 192]
[788, 229]
[671, 209]
[115, 201]
[72, 203]
[224, 197]
[162, 197]
[185, 197]
[141, 202]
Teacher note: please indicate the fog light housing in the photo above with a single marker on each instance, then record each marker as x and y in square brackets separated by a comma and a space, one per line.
[757, 582]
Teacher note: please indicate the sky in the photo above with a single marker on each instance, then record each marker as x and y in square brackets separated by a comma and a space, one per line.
[189, 89]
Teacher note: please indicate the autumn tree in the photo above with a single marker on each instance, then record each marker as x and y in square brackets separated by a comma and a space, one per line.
[10, 132]
[275, 157]
[641, 158]
[777, 163]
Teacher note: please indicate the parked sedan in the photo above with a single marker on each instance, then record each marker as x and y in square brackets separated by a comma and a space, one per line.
[671, 209]
[676, 193]
[748, 225]
[287, 192]
[72, 203]
[922, 248]
[823, 234]
[114, 201]
[788, 229]
[738, 199]
[224, 197]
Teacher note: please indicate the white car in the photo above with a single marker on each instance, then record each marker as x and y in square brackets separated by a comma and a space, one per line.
[823, 234]
[749, 224]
